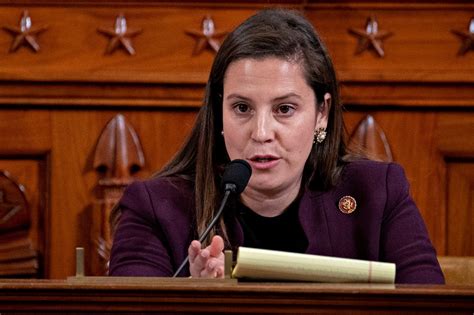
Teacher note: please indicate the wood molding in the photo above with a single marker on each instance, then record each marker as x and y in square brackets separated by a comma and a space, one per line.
[460, 236]
[111, 295]
[454, 136]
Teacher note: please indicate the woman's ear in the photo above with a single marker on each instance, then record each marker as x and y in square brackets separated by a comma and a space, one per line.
[322, 114]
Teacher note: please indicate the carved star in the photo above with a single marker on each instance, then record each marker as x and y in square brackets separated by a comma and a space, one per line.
[371, 37]
[467, 38]
[120, 36]
[25, 33]
[207, 36]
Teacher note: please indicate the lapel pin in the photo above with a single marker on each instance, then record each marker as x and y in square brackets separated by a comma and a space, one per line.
[347, 204]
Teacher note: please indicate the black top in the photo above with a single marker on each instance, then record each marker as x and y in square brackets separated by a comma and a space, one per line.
[283, 232]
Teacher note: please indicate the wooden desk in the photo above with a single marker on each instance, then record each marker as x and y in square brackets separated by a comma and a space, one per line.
[139, 295]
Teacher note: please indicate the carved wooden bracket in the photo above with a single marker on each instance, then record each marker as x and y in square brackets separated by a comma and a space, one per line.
[207, 36]
[467, 38]
[369, 139]
[370, 37]
[14, 211]
[25, 34]
[120, 36]
[17, 255]
[117, 157]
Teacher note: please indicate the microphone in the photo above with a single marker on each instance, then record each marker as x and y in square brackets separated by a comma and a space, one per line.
[234, 180]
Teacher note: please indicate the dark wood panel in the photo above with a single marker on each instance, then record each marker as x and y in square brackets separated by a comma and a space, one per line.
[31, 175]
[460, 238]
[140, 295]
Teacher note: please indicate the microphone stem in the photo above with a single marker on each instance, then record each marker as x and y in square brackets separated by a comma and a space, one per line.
[208, 229]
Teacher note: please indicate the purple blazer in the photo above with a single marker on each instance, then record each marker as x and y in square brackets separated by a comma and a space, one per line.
[157, 225]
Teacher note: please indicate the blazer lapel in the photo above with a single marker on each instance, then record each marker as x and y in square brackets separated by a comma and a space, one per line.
[312, 215]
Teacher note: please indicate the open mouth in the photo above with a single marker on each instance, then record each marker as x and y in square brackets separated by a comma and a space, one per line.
[263, 159]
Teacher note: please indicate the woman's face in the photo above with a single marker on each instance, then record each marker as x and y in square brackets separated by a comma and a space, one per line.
[269, 118]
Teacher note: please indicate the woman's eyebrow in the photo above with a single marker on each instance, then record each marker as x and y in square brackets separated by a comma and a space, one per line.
[235, 95]
[279, 98]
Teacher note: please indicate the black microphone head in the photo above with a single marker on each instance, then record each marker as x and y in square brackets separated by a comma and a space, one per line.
[236, 176]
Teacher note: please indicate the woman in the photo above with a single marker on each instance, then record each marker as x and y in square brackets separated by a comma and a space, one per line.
[272, 99]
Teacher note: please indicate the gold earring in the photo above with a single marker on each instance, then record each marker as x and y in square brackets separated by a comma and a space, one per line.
[319, 135]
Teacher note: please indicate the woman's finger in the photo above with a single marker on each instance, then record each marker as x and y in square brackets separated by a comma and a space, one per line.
[193, 250]
[217, 246]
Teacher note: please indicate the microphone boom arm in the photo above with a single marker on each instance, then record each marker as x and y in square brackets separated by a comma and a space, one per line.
[203, 236]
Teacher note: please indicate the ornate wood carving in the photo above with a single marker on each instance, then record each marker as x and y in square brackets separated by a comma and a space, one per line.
[25, 34]
[208, 36]
[14, 212]
[370, 37]
[120, 36]
[118, 156]
[17, 256]
[467, 38]
[369, 139]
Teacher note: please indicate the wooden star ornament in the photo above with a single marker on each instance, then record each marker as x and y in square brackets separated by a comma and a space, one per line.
[25, 34]
[120, 36]
[207, 36]
[467, 38]
[371, 37]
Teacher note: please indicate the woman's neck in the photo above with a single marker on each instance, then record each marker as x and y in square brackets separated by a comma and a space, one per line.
[269, 204]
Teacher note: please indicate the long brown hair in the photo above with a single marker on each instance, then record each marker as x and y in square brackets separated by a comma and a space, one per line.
[270, 33]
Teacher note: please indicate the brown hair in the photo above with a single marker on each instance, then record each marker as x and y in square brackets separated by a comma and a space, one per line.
[270, 33]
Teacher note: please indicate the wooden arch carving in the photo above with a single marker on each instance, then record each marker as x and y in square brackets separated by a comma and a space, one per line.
[118, 155]
[369, 139]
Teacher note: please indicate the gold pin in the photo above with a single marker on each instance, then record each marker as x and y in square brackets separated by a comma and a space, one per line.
[347, 204]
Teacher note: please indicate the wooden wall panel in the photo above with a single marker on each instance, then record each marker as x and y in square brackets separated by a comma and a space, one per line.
[423, 166]
[423, 49]
[461, 209]
[31, 174]
[74, 181]
[421, 38]
[424, 143]
[74, 50]
[24, 131]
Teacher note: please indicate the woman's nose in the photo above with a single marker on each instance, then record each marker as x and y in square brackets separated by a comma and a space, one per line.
[263, 128]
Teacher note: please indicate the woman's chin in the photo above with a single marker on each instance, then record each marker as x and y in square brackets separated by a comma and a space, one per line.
[265, 187]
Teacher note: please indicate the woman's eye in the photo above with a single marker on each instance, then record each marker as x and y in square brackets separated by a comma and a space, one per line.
[241, 108]
[285, 109]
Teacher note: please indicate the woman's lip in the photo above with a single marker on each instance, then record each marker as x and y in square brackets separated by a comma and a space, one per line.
[263, 156]
[260, 165]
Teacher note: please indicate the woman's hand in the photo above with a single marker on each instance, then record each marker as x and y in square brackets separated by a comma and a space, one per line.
[207, 262]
